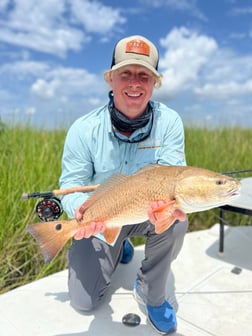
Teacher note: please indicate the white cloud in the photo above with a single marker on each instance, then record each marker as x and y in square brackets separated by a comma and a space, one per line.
[95, 16]
[94, 101]
[227, 65]
[237, 36]
[4, 96]
[42, 40]
[3, 5]
[225, 90]
[241, 10]
[31, 111]
[38, 89]
[39, 26]
[44, 89]
[53, 26]
[24, 69]
[195, 65]
[63, 83]
[186, 52]
[188, 6]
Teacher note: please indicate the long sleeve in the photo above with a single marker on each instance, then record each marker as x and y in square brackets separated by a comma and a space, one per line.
[92, 152]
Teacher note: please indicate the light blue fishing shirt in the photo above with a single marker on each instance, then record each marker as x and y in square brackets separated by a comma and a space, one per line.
[92, 152]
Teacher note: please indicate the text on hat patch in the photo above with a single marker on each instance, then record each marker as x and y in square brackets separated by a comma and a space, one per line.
[138, 47]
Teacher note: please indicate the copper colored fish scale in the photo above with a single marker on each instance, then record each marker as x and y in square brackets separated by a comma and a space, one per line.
[124, 200]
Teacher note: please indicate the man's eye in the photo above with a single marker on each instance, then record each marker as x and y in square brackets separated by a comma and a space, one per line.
[125, 75]
[144, 77]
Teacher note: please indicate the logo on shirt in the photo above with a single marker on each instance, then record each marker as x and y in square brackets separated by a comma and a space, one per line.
[149, 144]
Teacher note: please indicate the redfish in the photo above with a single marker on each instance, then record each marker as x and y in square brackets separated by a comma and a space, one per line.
[124, 200]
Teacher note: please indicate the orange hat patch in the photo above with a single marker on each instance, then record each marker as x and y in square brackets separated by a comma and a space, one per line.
[138, 47]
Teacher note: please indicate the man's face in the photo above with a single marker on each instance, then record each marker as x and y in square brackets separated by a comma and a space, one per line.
[132, 87]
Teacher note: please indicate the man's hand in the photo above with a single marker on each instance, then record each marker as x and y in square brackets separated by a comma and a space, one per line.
[79, 213]
[90, 230]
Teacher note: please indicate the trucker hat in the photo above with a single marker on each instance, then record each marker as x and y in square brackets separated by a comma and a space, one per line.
[135, 49]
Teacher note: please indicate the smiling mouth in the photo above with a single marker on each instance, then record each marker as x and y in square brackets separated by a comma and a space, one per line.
[134, 95]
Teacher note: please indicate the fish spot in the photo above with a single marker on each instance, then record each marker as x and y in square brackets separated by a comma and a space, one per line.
[58, 227]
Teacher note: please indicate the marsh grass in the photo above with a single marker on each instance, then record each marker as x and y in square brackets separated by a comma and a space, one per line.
[30, 160]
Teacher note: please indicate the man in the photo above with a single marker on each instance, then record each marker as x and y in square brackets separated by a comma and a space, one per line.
[128, 133]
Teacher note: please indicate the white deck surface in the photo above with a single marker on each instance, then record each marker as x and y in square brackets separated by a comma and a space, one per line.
[245, 199]
[208, 297]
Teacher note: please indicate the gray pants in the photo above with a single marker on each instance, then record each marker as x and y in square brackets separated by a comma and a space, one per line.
[92, 263]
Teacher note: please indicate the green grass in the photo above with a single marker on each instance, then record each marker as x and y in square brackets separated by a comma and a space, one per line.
[222, 150]
[30, 161]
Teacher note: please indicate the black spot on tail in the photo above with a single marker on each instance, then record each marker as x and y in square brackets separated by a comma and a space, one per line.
[58, 227]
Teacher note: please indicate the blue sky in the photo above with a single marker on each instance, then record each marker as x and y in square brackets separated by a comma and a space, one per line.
[53, 54]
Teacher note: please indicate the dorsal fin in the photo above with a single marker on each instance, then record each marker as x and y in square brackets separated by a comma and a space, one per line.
[147, 168]
[104, 188]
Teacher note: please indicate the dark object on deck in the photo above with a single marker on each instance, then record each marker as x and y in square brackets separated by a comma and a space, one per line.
[131, 320]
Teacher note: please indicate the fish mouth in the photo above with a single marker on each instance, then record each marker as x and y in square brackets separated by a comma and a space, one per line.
[233, 193]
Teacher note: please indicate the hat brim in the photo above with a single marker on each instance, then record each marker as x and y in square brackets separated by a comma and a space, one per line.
[133, 62]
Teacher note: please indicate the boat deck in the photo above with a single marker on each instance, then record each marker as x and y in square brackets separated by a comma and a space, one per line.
[211, 294]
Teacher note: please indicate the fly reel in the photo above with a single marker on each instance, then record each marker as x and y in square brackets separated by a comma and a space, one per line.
[49, 209]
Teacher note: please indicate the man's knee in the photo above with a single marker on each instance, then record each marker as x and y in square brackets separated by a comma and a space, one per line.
[86, 299]
[84, 304]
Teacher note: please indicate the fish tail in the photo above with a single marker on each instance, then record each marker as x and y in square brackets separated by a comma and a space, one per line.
[52, 236]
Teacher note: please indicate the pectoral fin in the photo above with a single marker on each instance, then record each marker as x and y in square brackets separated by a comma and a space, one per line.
[165, 216]
[111, 234]
[156, 209]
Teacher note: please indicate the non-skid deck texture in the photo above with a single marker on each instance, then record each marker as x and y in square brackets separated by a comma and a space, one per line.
[209, 297]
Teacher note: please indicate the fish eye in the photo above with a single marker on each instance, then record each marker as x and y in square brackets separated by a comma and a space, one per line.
[220, 182]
